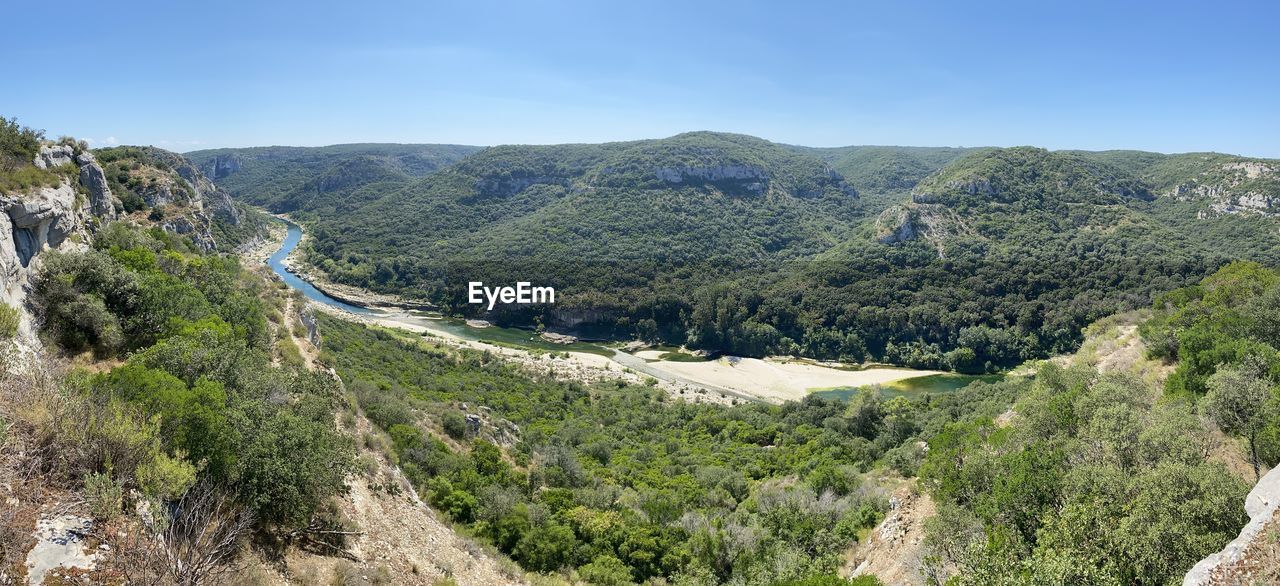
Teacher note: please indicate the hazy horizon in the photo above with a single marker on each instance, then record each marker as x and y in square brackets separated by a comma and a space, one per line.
[908, 146]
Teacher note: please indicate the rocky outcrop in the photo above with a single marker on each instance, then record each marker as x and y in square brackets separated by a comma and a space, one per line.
[752, 178]
[1241, 187]
[191, 186]
[54, 155]
[309, 321]
[101, 202]
[1262, 504]
[571, 318]
[711, 173]
[934, 223]
[194, 226]
[896, 224]
[217, 201]
[31, 223]
[45, 218]
[222, 166]
[61, 544]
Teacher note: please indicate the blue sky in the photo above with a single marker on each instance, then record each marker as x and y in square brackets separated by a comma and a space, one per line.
[1161, 76]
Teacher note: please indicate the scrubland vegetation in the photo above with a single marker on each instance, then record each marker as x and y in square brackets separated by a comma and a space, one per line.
[187, 418]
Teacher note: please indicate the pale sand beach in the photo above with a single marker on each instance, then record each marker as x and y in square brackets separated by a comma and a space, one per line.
[772, 379]
[775, 380]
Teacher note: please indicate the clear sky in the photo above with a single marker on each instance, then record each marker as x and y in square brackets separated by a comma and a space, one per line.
[1164, 76]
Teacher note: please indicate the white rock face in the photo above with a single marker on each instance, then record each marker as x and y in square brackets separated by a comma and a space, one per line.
[101, 201]
[716, 173]
[35, 221]
[60, 543]
[53, 156]
[1231, 195]
[30, 224]
[894, 225]
[1251, 169]
[1261, 504]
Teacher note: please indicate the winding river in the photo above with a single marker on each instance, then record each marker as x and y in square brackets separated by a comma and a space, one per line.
[744, 378]
[292, 238]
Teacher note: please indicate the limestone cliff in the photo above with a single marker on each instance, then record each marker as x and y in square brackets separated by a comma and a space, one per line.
[1233, 187]
[49, 217]
[165, 190]
[162, 187]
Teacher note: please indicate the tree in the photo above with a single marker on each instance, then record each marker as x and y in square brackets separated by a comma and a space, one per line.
[18, 144]
[606, 570]
[289, 466]
[1240, 401]
[546, 548]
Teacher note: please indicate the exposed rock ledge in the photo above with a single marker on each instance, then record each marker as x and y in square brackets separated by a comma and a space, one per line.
[1261, 504]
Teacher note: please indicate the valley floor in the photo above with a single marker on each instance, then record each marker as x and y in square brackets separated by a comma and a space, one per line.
[774, 380]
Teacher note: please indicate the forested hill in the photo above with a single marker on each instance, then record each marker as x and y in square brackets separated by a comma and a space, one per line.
[689, 197]
[602, 222]
[969, 259]
[885, 168]
[284, 178]
[1007, 254]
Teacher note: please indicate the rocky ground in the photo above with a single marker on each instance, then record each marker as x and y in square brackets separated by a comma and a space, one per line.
[894, 550]
[401, 540]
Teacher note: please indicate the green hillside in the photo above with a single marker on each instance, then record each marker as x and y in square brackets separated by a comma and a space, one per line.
[590, 218]
[967, 259]
[272, 177]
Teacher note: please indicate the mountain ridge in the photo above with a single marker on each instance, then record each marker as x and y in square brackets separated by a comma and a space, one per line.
[648, 232]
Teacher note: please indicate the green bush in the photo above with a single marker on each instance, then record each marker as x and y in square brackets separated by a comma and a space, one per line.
[606, 570]
[166, 477]
[104, 496]
[454, 424]
[9, 318]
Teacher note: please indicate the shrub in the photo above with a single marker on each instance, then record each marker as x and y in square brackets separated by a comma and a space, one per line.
[8, 322]
[291, 464]
[166, 477]
[606, 570]
[104, 496]
[454, 424]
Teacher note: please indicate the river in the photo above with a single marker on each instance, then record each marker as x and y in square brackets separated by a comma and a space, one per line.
[292, 237]
[745, 378]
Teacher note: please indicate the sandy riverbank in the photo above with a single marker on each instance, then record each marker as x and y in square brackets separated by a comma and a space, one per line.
[580, 366]
[779, 380]
[723, 380]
